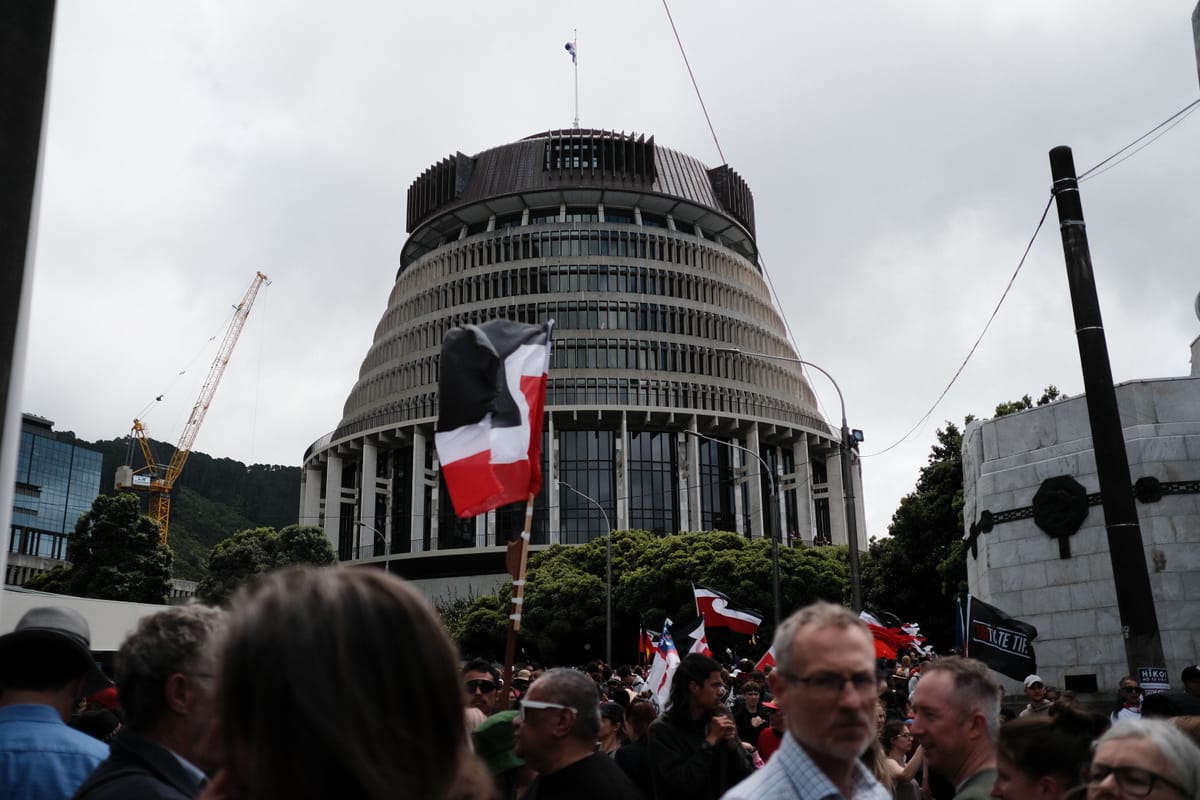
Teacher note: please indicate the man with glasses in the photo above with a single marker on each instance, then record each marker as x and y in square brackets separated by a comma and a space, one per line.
[1129, 694]
[481, 680]
[956, 718]
[557, 726]
[824, 682]
[1144, 758]
[165, 680]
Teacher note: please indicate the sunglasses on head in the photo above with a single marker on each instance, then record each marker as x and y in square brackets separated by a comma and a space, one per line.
[485, 686]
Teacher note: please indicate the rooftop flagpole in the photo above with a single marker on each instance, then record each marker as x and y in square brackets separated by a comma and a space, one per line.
[573, 49]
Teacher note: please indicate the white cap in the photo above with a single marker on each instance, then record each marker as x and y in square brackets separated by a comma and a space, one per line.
[1030, 680]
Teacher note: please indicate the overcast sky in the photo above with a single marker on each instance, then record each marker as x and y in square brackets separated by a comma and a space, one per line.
[897, 153]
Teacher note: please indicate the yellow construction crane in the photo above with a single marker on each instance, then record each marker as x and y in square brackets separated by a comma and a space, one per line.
[157, 479]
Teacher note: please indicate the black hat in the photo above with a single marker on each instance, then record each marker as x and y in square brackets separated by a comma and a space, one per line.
[56, 625]
[1191, 673]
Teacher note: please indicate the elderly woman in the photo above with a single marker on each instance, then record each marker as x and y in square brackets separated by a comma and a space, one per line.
[316, 697]
[1147, 758]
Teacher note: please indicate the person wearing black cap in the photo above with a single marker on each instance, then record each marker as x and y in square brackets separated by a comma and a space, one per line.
[1191, 679]
[46, 667]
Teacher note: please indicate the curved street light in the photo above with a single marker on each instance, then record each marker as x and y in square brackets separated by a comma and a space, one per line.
[772, 513]
[847, 482]
[387, 546]
[607, 572]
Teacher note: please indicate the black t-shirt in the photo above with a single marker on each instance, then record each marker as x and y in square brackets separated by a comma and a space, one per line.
[596, 777]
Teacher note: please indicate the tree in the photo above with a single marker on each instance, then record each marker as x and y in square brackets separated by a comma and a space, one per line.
[256, 551]
[115, 554]
[564, 611]
[918, 570]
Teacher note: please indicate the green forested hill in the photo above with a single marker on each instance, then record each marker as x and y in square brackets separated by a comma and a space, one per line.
[213, 499]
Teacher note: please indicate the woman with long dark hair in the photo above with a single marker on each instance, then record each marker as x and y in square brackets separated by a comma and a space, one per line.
[341, 683]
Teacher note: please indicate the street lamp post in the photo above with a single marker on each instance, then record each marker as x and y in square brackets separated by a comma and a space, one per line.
[607, 572]
[387, 546]
[773, 522]
[847, 477]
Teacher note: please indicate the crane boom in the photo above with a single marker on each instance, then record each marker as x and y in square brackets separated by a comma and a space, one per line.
[160, 486]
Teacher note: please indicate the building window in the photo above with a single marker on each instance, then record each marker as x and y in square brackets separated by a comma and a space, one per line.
[585, 461]
[653, 503]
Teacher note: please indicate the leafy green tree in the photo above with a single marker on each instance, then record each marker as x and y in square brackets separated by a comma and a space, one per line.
[564, 612]
[255, 551]
[115, 554]
[918, 569]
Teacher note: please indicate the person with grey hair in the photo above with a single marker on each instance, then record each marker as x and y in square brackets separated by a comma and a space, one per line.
[556, 727]
[1147, 758]
[165, 673]
[956, 718]
[824, 682]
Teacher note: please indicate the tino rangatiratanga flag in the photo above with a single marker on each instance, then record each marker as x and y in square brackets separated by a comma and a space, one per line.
[1003, 643]
[491, 396]
[720, 612]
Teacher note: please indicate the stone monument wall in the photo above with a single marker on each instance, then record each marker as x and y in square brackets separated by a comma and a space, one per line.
[1066, 589]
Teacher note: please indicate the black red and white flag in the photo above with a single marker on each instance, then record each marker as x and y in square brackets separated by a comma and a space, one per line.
[491, 398]
[1003, 643]
[691, 637]
[721, 612]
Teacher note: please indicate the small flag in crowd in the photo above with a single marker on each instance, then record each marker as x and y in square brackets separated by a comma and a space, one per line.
[998, 640]
[491, 396]
[720, 612]
[646, 645]
[571, 49]
[890, 634]
[695, 632]
[767, 660]
[666, 659]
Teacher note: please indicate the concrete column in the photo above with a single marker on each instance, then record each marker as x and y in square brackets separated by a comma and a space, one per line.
[366, 506]
[802, 481]
[418, 493]
[310, 510]
[333, 500]
[621, 465]
[695, 506]
[860, 510]
[550, 483]
[435, 501]
[837, 497]
[682, 470]
[754, 472]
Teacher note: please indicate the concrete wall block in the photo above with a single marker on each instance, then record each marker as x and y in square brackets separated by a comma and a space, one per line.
[1177, 616]
[1049, 599]
[1022, 577]
[998, 554]
[1159, 449]
[1057, 651]
[1092, 538]
[1180, 557]
[1053, 467]
[1094, 651]
[1043, 622]
[1176, 400]
[1091, 595]
[1167, 587]
[1075, 623]
[1108, 621]
[1071, 420]
[1135, 400]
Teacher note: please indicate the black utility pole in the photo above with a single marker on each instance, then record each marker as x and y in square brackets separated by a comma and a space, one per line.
[1135, 602]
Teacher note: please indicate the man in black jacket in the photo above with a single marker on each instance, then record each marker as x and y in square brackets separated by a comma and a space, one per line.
[165, 674]
[695, 754]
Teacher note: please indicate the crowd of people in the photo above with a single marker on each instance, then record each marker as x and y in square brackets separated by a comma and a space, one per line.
[319, 683]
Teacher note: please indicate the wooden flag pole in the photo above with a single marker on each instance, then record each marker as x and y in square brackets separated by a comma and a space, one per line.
[518, 600]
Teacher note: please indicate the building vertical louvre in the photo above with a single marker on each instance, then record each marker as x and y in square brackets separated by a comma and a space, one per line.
[646, 260]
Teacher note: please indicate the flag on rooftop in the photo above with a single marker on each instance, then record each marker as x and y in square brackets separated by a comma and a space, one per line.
[491, 396]
[721, 612]
[571, 49]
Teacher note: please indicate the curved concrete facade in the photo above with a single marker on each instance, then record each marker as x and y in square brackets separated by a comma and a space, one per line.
[646, 260]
